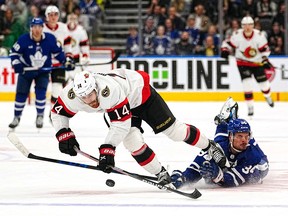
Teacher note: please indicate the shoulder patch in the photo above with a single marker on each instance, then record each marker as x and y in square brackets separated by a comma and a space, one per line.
[105, 92]
[71, 94]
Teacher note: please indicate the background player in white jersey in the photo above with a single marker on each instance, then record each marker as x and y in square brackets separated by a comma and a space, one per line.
[127, 97]
[79, 43]
[60, 31]
[251, 51]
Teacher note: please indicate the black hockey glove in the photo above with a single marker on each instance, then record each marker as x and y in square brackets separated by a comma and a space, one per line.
[225, 53]
[67, 141]
[267, 64]
[69, 63]
[211, 171]
[106, 159]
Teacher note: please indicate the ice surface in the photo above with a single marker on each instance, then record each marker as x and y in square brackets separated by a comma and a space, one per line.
[33, 187]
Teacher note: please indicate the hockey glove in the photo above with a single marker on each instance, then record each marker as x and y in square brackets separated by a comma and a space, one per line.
[211, 171]
[69, 63]
[266, 63]
[18, 68]
[106, 159]
[177, 178]
[67, 141]
[225, 53]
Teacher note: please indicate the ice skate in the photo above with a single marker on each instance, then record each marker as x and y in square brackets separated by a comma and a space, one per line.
[164, 178]
[39, 121]
[269, 101]
[216, 152]
[228, 111]
[250, 111]
[15, 122]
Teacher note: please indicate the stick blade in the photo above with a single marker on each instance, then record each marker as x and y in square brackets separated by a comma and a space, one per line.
[196, 194]
[13, 138]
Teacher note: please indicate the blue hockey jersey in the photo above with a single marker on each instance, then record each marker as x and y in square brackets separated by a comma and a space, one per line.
[36, 54]
[249, 166]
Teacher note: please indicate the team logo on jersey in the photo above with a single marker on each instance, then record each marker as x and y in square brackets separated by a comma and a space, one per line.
[249, 52]
[71, 94]
[105, 92]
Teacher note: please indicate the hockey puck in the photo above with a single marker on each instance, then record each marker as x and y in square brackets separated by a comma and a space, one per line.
[110, 182]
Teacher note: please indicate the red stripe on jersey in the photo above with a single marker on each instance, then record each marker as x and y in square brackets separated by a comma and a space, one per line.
[148, 160]
[67, 40]
[61, 103]
[121, 112]
[146, 88]
[84, 43]
[247, 63]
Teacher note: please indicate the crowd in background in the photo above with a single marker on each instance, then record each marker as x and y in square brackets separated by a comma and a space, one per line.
[171, 27]
[191, 27]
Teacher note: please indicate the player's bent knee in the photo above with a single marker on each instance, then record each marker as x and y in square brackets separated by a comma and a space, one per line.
[134, 140]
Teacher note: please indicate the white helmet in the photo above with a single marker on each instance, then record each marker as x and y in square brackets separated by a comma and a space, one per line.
[247, 20]
[84, 83]
[51, 9]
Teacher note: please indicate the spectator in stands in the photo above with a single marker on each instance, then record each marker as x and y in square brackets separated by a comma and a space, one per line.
[132, 42]
[202, 21]
[249, 8]
[161, 44]
[280, 17]
[177, 20]
[184, 47]
[82, 19]
[266, 9]
[91, 9]
[19, 9]
[273, 39]
[149, 31]
[234, 26]
[208, 48]
[258, 26]
[192, 30]
[11, 28]
[212, 31]
[159, 18]
[33, 13]
[171, 32]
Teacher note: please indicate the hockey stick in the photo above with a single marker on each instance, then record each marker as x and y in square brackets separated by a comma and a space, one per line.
[18, 144]
[114, 59]
[194, 195]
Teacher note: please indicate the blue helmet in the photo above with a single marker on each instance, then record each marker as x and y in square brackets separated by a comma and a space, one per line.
[238, 126]
[36, 21]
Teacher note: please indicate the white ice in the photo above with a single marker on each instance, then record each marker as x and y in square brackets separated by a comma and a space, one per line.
[33, 187]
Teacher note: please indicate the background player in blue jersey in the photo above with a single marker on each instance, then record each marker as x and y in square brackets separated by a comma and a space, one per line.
[33, 49]
[248, 163]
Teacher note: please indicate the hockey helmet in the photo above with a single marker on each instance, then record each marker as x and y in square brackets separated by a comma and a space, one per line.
[36, 21]
[51, 9]
[84, 83]
[247, 20]
[238, 126]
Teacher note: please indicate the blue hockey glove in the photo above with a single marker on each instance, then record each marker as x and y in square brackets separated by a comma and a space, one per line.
[69, 63]
[18, 68]
[106, 158]
[177, 178]
[211, 171]
[67, 141]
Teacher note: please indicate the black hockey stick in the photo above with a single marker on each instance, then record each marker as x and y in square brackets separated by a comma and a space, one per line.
[194, 195]
[114, 59]
[18, 144]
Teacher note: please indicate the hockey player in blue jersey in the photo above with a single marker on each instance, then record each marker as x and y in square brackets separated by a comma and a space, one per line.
[248, 163]
[34, 49]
